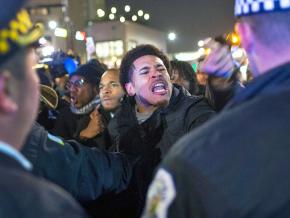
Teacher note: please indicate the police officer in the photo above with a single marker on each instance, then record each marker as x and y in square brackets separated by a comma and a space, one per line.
[22, 195]
[237, 165]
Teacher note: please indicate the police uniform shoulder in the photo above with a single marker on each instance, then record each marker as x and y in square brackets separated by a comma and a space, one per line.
[55, 139]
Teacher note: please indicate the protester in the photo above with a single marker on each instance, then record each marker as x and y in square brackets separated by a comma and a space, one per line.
[230, 166]
[22, 194]
[155, 116]
[84, 98]
[183, 74]
[111, 96]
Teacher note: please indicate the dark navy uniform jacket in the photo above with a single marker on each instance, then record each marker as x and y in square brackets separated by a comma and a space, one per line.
[85, 172]
[237, 164]
[24, 195]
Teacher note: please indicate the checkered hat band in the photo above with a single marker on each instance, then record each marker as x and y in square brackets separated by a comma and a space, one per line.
[250, 7]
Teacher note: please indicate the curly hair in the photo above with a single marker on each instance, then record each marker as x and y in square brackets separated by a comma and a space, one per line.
[186, 72]
[127, 67]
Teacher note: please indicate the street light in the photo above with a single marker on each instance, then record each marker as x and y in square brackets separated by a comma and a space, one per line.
[146, 16]
[52, 24]
[111, 16]
[127, 8]
[140, 13]
[134, 18]
[114, 10]
[100, 12]
[172, 36]
[122, 19]
[200, 43]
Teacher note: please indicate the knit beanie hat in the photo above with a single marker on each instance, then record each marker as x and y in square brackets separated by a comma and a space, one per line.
[92, 72]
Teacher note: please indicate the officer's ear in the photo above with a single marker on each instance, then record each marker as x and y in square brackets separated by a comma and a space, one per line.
[130, 89]
[7, 103]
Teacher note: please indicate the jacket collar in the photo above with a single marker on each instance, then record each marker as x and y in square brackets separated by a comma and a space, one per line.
[272, 81]
[14, 154]
[178, 92]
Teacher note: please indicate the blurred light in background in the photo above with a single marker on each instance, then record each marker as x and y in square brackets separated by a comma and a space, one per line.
[200, 43]
[52, 24]
[172, 36]
[237, 53]
[234, 39]
[146, 16]
[244, 70]
[127, 8]
[187, 56]
[134, 18]
[122, 19]
[140, 13]
[114, 10]
[111, 16]
[81, 36]
[47, 50]
[100, 12]
[42, 41]
[60, 32]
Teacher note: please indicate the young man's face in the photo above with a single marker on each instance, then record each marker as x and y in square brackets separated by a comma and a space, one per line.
[150, 82]
[201, 78]
[111, 90]
[81, 92]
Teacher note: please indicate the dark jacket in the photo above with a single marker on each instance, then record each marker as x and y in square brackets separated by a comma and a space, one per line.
[153, 138]
[23, 195]
[218, 95]
[85, 172]
[69, 125]
[238, 164]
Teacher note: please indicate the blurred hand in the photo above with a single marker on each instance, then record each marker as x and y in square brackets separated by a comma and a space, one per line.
[94, 127]
[219, 62]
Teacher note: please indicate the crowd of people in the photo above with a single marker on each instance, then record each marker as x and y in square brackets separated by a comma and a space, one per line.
[152, 138]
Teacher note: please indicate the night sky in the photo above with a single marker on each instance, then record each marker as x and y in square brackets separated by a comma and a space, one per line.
[192, 20]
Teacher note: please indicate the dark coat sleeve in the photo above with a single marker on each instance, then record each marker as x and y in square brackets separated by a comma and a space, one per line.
[219, 93]
[85, 172]
[197, 114]
[61, 126]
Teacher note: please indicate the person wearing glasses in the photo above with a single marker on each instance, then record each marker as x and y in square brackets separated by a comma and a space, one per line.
[83, 86]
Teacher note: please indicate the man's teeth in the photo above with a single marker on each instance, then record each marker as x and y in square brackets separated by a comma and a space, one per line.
[159, 87]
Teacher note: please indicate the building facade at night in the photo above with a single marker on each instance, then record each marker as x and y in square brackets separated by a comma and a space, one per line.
[113, 39]
[74, 25]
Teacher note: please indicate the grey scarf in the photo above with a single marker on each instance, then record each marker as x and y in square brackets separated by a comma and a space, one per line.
[87, 108]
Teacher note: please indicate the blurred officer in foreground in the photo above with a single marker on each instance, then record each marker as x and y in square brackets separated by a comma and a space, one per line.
[230, 166]
[22, 195]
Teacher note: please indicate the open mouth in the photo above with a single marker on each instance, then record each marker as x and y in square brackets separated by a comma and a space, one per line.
[160, 88]
[106, 100]
[73, 100]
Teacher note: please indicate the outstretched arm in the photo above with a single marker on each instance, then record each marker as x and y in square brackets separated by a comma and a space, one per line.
[86, 173]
